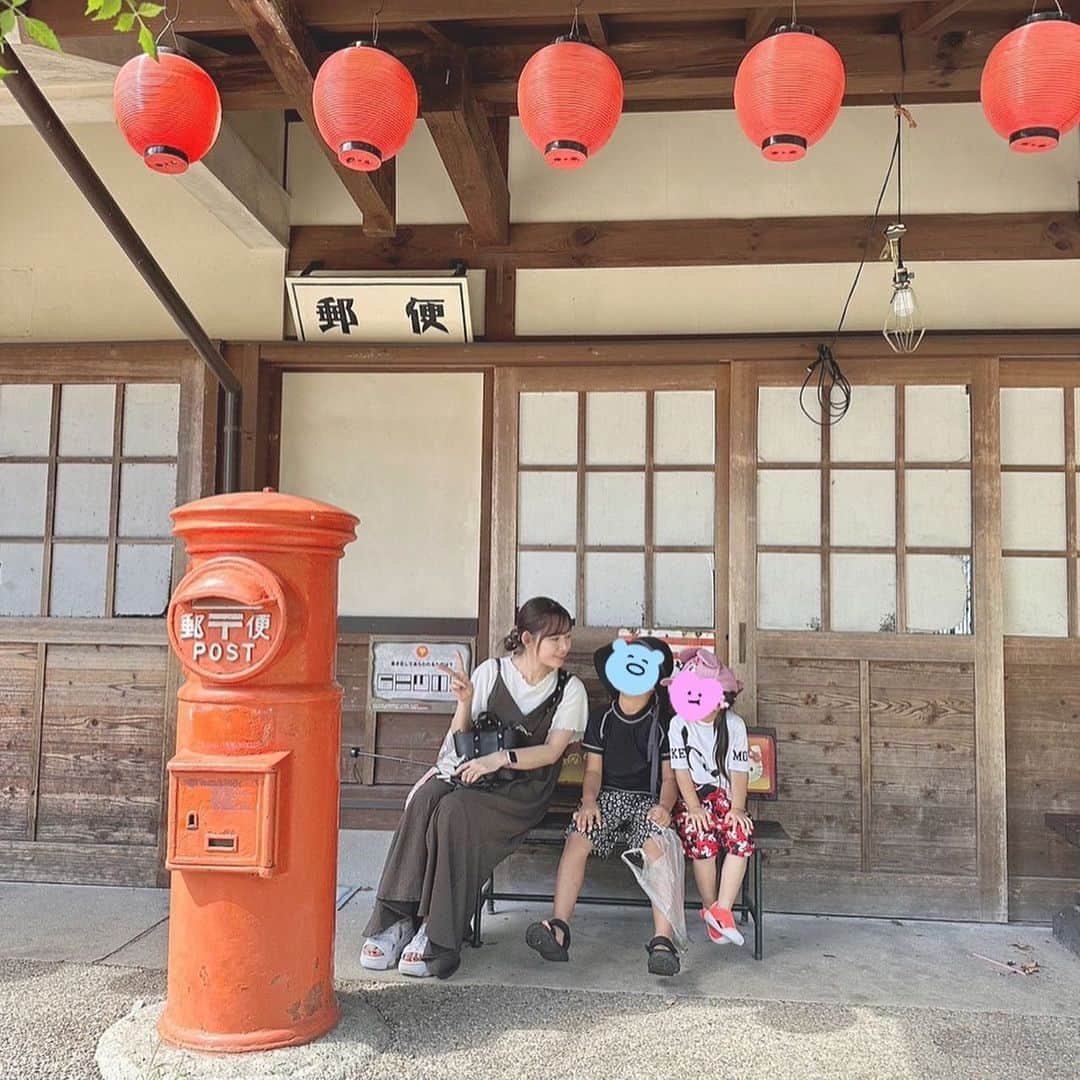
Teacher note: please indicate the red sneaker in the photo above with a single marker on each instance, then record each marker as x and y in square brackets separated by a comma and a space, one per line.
[719, 920]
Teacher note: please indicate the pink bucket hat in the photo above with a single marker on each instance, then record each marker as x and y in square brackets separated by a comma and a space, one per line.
[705, 665]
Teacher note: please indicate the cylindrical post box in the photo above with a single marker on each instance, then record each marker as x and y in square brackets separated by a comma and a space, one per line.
[253, 788]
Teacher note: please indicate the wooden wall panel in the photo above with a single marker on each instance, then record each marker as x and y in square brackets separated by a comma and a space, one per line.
[352, 672]
[876, 766]
[922, 768]
[101, 746]
[18, 671]
[814, 707]
[1042, 732]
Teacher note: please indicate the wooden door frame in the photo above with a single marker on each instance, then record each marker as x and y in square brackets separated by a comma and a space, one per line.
[981, 374]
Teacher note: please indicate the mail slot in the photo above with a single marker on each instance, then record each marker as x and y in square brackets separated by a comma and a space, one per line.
[253, 787]
[224, 812]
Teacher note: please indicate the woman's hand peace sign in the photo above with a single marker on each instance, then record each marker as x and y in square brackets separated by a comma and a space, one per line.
[460, 684]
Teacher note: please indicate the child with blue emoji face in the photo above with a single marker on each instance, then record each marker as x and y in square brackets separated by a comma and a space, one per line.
[628, 792]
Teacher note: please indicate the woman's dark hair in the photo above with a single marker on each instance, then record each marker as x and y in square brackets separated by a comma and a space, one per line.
[720, 735]
[542, 617]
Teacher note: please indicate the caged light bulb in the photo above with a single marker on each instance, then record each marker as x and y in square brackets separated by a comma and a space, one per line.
[903, 327]
[903, 303]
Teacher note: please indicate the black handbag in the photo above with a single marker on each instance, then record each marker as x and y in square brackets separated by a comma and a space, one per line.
[485, 738]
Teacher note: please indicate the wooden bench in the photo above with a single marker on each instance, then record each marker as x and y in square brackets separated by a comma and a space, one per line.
[551, 833]
[1066, 922]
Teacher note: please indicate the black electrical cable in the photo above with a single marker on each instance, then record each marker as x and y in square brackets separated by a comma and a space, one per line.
[833, 388]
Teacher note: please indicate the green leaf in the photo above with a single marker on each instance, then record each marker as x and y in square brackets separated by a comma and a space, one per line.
[146, 42]
[91, 6]
[41, 33]
[15, 3]
[7, 21]
[4, 72]
[125, 22]
[150, 11]
[108, 9]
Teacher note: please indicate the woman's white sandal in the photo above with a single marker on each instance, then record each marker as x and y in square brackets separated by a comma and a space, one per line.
[416, 948]
[388, 946]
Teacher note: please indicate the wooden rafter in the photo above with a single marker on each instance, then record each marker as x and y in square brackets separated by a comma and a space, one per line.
[594, 22]
[279, 33]
[712, 242]
[921, 18]
[462, 134]
[437, 35]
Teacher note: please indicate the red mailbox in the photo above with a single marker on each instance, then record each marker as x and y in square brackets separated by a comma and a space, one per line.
[253, 788]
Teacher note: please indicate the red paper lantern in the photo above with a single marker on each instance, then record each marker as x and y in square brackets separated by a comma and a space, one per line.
[570, 97]
[365, 105]
[168, 109]
[788, 91]
[1030, 87]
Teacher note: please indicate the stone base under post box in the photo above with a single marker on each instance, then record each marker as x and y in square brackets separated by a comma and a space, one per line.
[132, 1049]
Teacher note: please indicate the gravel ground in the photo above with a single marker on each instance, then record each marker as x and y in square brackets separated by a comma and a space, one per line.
[53, 1014]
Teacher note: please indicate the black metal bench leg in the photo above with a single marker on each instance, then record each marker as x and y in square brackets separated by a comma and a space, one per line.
[477, 919]
[744, 912]
[491, 893]
[759, 907]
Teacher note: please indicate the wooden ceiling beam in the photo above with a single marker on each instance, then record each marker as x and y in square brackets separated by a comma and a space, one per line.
[712, 242]
[209, 17]
[688, 72]
[462, 134]
[921, 18]
[279, 33]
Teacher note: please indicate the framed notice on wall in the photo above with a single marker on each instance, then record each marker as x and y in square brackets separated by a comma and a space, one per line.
[763, 776]
[424, 311]
[408, 671]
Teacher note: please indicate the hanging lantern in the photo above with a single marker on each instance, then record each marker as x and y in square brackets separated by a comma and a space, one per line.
[570, 97]
[168, 109]
[1030, 88]
[788, 91]
[365, 105]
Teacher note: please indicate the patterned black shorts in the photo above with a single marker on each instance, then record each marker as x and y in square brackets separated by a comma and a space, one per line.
[623, 821]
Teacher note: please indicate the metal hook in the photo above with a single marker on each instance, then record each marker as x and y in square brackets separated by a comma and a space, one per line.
[375, 25]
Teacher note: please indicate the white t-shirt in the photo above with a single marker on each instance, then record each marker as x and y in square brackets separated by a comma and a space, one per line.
[693, 749]
[571, 715]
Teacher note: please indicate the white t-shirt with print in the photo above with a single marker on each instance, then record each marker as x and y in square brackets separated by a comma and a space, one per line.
[693, 750]
[571, 715]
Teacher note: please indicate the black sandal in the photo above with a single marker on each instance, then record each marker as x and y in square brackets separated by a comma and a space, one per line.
[541, 937]
[663, 959]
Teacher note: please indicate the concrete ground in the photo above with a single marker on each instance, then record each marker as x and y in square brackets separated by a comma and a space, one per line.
[833, 997]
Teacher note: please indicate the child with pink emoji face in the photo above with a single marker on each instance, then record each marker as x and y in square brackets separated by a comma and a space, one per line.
[711, 761]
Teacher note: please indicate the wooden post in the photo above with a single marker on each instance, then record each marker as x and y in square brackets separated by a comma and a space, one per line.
[742, 529]
[989, 644]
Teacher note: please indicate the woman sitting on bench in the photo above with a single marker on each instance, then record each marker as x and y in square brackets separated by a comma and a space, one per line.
[459, 825]
[627, 795]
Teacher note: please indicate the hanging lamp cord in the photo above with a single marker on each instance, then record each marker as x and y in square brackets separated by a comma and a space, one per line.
[833, 391]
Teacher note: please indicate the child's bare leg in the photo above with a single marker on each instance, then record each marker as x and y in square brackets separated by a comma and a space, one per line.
[731, 877]
[661, 927]
[705, 876]
[571, 875]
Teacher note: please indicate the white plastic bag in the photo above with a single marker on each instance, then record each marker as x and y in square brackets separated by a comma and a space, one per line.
[664, 883]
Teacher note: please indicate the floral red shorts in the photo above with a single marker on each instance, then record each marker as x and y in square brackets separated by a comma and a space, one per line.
[706, 844]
